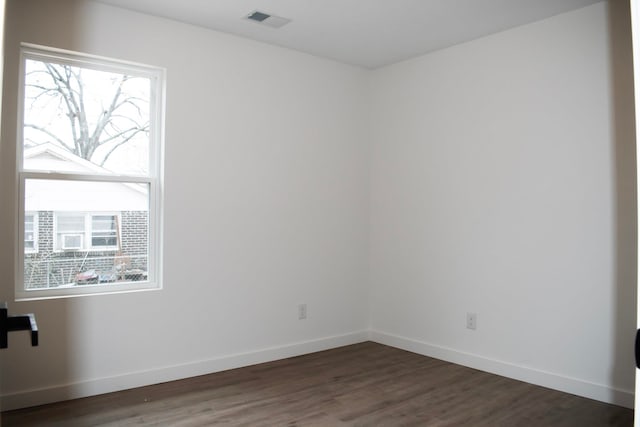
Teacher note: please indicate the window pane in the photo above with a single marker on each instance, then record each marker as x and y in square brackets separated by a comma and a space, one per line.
[69, 231]
[104, 231]
[86, 121]
[80, 244]
[28, 222]
[69, 223]
[29, 232]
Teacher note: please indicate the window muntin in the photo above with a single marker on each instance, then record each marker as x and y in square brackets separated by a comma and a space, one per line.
[94, 181]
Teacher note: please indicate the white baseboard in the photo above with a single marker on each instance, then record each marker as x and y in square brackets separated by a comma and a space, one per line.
[94, 387]
[575, 386]
[170, 373]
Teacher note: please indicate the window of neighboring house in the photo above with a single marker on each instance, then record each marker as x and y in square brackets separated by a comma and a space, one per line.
[104, 232]
[90, 157]
[85, 231]
[30, 232]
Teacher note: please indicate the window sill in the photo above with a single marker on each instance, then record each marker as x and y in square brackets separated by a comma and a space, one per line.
[81, 290]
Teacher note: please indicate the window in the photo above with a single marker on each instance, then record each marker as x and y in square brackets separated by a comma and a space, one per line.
[86, 231]
[70, 232]
[89, 171]
[30, 232]
[104, 231]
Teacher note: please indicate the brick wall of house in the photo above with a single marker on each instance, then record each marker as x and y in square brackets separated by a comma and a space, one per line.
[47, 268]
[135, 237]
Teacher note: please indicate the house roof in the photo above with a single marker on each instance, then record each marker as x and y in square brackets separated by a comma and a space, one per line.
[75, 195]
[40, 155]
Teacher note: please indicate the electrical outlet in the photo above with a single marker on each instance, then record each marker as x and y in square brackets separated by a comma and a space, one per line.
[302, 311]
[472, 321]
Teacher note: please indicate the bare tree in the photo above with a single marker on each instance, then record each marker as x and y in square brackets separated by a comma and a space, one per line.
[119, 120]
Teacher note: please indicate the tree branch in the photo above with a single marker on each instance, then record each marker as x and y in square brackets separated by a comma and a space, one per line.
[127, 139]
[119, 121]
[48, 132]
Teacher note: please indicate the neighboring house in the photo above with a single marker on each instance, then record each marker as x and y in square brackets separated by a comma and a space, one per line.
[79, 232]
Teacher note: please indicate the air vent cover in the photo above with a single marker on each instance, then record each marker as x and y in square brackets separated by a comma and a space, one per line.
[258, 16]
[267, 19]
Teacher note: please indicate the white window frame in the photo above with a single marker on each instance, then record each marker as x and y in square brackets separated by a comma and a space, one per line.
[154, 179]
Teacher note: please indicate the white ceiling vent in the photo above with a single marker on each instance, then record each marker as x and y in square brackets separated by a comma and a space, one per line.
[267, 19]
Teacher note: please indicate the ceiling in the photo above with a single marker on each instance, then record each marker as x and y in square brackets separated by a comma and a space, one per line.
[366, 33]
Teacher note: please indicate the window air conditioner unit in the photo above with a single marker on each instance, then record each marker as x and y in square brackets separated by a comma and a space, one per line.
[71, 241]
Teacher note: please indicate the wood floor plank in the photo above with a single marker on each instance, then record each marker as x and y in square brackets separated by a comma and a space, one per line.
[366, 384]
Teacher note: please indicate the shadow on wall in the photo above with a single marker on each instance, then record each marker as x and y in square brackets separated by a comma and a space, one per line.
[625, 208]
[49, 366]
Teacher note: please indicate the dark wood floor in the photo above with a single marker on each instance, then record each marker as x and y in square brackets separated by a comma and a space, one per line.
[365, 384]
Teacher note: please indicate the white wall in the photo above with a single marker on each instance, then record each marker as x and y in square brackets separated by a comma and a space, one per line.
[503, 184]
[266, 191]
